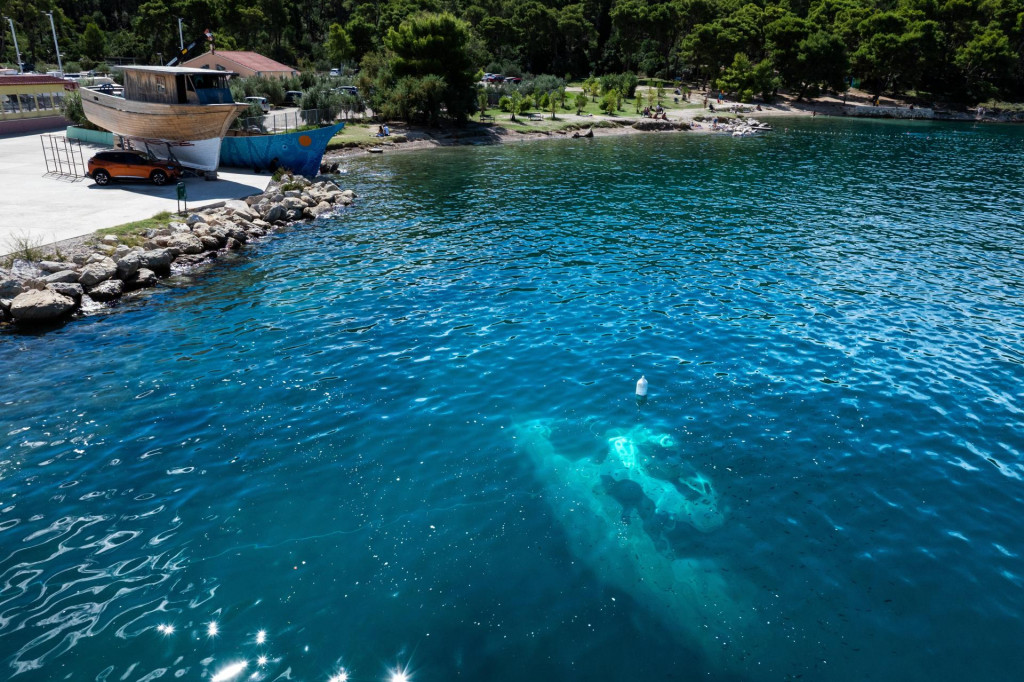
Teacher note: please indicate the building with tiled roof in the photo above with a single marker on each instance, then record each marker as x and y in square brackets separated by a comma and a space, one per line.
[242, 63]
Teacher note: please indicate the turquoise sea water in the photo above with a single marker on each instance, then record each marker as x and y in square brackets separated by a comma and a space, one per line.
[406, 437]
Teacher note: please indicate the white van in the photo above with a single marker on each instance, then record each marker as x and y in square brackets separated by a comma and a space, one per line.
[335, 72]
[262, 101]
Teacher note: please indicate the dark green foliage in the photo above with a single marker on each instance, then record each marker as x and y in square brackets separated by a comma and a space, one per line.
[961, 50]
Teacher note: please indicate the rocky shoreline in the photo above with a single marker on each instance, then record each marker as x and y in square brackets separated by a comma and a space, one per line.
[40, 294]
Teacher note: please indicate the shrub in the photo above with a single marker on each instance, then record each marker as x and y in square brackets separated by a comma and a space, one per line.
[505, 104]
[71, 107]
[625, 83]
[609, 103]
[323, 99]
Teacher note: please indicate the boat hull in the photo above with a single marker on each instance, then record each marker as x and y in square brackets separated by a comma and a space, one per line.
[299, 152]
[171, 122]
[192, 132]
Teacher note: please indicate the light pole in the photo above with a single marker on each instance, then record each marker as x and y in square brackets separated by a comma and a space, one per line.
[181, 41]
[16, 50]
[60, 66]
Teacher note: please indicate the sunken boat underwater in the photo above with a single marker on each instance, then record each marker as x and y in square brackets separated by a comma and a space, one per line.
[298, 152]
[188, 110]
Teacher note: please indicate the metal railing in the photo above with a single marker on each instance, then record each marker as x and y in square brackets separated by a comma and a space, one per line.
[63, 157]
[278, 123]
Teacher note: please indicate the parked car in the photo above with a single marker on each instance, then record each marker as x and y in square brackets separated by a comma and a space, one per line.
[348, 90]
[293, 97]
[132, 165]
[262, 101]
[494, 78]
[335, 72]
[513, 79]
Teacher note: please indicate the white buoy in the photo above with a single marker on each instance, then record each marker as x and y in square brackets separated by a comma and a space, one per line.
[641, 387]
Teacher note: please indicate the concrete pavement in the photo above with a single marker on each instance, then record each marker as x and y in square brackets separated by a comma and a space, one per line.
[46, 208]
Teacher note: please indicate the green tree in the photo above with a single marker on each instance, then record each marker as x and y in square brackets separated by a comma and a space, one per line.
[580, 102]
[339, 45]
[93, 43]
[436, 45]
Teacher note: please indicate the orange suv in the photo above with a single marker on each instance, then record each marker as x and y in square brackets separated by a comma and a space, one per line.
[132, 165]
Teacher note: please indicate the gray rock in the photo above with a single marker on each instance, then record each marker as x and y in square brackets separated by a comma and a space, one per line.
[275, 213]
[9, 288]
[62, 276]
[96, 272]
[39, 306]
[23, 269]
[321, 208]
[5, 308]
[294, 213]
[292, 203]
[96, 258]
[111, 240]
[194, 219]
[120, 252]
[241, 208]
[210, 243]
[179, 227]
[237, 234]
[55, 266]
[140, 280]
[107, 291]
[72, 290]
[185, 243]
[129, 264]
[157, 260]
[233, 244]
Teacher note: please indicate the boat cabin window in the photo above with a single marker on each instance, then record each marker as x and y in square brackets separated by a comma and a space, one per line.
[209, 88]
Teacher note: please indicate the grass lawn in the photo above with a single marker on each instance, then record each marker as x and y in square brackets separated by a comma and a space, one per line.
[130, 234]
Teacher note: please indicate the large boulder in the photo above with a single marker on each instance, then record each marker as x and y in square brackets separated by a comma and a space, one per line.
[241, 208]
[40, 306]
[109, 290]
[293, 203]
[185, 242]
[55, 266]
[157, 260]
[141, 279]
[9, 288]
[129, 264]
[24, 269]
[62, 276]
[72, 290]
[97, 271]
[274, 213]
[321, 208]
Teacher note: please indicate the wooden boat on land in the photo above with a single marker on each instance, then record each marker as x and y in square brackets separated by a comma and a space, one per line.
[188, 109]
[297, 152]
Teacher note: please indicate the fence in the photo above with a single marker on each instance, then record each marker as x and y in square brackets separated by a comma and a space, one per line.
[63, 157]
[279, 123]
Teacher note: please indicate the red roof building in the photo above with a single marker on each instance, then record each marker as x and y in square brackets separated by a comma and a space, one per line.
[242, 63]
